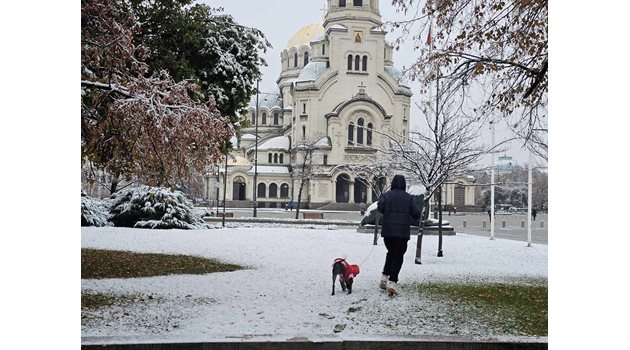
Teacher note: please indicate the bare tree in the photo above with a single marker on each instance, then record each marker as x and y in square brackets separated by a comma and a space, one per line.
[448, 146]
[495, 51]
[304, 170]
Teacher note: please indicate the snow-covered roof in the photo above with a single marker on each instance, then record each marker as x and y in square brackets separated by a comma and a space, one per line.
[279, 142]
[323, 142]
[320, 38]
[270, 169]
[266, 100]
[338, 26]
[377, 30]
[396, 74]
[311, 71]
[248, 137]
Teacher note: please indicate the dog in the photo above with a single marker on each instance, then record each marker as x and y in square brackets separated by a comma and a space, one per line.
[346, 273]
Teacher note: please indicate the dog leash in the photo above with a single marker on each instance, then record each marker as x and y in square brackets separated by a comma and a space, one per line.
[366, 258]
[373, 246]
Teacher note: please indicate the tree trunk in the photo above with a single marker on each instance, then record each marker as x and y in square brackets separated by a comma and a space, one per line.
[114, 185]
[297, 208]
[439, 254]
[376, 230]
[424, 216]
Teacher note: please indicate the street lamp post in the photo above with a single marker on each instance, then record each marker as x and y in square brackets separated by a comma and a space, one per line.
[529, 200]
[224, 187]
[492, 186]
[256, 150]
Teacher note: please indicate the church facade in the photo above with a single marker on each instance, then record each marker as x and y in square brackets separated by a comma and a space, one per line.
[338, 85]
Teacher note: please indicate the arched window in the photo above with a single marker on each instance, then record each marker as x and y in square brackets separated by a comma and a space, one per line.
[364, 63]
[295, 60]
[262, 190]
[349, 62]
[369, 134]
[284, 191]
[253, 118]
[305, 58]
[275, 158]
[270, 155]
[358, 3]
[273, 191]
[350, 134]
[357, 62]
[360, 131]
[264, 119]
[275, 119]
[281, 158]
[342, 3]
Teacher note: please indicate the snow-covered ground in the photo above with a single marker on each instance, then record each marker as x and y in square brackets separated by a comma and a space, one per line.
[286, 291]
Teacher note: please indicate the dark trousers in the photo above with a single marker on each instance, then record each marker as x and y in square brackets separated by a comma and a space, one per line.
[396, 248]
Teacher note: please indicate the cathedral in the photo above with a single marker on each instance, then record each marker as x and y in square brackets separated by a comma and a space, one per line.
[338, 83]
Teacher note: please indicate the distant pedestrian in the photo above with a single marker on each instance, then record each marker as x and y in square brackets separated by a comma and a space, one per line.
[489, 215]
[399, 210]
[291, 205]
[533, 214]
[286, 205]
[362, 206]
[450, 207]
[455, 210]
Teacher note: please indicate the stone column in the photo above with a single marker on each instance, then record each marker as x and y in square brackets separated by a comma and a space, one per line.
[351, 191]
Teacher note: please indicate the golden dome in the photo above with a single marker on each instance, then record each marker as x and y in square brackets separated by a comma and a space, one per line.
[305, 35]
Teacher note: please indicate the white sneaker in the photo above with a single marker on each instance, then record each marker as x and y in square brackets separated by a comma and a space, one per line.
[392, 288]
[383, 283]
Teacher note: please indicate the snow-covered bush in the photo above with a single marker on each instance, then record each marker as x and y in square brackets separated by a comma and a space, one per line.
[94, 211]
[154, 207]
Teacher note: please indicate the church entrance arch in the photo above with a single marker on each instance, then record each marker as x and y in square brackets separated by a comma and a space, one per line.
[360, 190]
[238, 189]
[343, 188]
[460, 196]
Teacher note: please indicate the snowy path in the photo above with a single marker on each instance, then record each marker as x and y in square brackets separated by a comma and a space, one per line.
[287, 291]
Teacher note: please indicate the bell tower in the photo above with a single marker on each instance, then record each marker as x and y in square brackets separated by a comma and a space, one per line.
[344, 10]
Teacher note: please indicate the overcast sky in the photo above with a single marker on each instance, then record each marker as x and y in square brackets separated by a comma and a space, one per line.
[280, 19]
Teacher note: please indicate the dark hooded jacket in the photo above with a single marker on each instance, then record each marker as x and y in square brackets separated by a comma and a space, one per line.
[398, 208]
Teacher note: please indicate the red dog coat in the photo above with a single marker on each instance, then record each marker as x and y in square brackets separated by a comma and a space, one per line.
[351, 270]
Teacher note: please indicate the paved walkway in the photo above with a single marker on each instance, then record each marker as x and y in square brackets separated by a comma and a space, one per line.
[474, 222]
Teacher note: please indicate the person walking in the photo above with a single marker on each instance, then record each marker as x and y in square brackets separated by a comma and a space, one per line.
[291, 204]
[489, 215]
[533, 214]
[398, 208]
[362, 206]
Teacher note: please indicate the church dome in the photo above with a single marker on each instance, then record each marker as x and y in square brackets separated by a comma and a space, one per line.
[305, 35]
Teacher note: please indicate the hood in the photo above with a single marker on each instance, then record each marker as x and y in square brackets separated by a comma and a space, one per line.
[399, 183]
